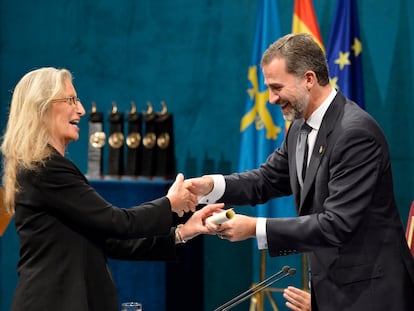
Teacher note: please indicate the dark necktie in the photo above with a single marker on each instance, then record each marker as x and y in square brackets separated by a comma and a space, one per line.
[302, 152]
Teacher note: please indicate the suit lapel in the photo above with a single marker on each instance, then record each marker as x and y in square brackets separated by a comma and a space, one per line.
[321, 146]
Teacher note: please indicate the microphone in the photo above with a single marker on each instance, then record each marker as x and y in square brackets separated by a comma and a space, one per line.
[285, 269]
[257, 288]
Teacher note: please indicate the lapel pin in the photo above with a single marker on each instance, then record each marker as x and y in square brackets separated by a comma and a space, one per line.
[321, 149]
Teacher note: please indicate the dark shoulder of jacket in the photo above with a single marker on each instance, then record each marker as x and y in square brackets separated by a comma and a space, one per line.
[57, 161]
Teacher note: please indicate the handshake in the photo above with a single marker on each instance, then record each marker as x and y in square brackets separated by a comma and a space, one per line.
[183, 194]
[212, 219]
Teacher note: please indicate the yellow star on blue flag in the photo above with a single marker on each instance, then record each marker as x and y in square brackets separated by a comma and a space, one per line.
[344, 52]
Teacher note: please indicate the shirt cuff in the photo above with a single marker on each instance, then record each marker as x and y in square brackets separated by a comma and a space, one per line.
[217, 192]
[261, 233]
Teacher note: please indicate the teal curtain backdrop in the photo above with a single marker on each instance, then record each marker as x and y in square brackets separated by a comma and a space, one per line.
[194, 55]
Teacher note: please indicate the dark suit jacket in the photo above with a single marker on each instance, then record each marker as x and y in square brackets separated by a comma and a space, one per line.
[66, 233]
[348, 220]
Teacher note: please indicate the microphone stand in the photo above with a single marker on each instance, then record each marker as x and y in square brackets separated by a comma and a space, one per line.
[257, 288]
[291, 271]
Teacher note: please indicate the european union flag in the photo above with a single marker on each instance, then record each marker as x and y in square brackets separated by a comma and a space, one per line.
[344, 52]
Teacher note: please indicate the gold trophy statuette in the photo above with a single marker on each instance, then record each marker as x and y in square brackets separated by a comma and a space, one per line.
[96, 139]
[133, 139]
[116, 142]
[150, 138]
[116, 139]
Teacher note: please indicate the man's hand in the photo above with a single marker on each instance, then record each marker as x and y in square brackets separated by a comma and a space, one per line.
[297, 299]
[239, 228]
[200, 185]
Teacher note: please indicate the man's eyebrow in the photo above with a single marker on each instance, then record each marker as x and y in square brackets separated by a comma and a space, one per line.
[275, 84]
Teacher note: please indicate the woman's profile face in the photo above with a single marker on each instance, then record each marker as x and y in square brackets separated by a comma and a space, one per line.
[66, 112]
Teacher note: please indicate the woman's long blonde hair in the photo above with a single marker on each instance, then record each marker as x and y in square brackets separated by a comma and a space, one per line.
[25, 142]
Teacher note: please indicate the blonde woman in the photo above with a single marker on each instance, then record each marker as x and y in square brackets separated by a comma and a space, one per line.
[66, 229]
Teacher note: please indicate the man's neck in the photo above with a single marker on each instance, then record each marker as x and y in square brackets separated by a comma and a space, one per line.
[318, 95]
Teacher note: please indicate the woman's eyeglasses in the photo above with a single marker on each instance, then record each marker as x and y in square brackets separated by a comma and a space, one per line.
[70, 100]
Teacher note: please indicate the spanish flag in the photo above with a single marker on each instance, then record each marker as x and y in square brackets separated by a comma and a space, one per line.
[304, 20]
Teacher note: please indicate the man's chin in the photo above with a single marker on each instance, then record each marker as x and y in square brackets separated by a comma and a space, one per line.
[288, 117]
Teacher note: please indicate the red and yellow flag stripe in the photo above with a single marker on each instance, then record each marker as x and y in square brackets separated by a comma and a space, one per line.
[304, 20]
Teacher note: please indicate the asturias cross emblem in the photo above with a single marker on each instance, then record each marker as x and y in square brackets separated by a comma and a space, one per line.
[259, 112]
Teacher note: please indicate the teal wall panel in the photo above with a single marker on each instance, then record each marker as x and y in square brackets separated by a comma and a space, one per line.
[194, 54]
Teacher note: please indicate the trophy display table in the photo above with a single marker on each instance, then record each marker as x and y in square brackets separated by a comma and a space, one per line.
[157, 285]
[141, 281]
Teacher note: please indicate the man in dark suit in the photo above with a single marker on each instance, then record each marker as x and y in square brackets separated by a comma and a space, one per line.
[347, 222]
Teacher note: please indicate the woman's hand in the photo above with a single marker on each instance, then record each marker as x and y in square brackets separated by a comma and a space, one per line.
[196, 225]
[181, 199]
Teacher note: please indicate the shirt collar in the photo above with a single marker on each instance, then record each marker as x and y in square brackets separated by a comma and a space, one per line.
[316, 117]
